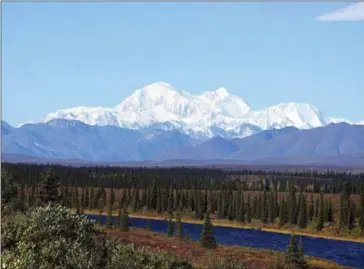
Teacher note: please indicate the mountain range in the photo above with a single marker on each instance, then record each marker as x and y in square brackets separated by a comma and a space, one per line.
[70, 139]
[158, 123]
[160, 106]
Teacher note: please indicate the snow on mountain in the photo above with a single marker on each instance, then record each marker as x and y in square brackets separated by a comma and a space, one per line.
[360, 122]
[197, 115]
[337, 120]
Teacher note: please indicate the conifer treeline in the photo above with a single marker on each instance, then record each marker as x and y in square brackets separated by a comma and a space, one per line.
[189, 178]
[223, 198]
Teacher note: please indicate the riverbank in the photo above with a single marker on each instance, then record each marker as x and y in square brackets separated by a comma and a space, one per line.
[202, 258]
[233, 224]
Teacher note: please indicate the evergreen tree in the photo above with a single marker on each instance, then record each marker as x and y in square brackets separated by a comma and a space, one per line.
[292, 206]
[149, 225]
[135, 200]
[317, 208]
[248, 211]
[254, 208]
[87, 198]
[198, 209]
[120, 215]
[330, 213]
[351, 219]
[170, 228]
[159, 202]
[153, 195]
[109, 221]
[271, 207]
[112, 198]
[361, 214]
[321, 215]
[258, 214]
[124, 221]
[230, 210]
[170, 202]
[282, 213]
[311, 209]
[9, 190]
[207, 239]
[264, 210]
[301, 263]
[92, 198]
[49, 187]
[241, 214]
[302, 217]
[342, 214]
[179, 228]
[122, 202]
[291, 254]
[82, 197]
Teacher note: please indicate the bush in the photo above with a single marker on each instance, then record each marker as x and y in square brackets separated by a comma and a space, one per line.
[51, 237]
[132, 258]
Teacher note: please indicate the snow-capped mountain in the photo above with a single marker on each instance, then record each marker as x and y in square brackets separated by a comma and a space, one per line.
[203, 115]
[337, 120]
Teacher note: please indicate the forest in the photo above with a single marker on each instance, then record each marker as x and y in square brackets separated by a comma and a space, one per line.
[330, 203]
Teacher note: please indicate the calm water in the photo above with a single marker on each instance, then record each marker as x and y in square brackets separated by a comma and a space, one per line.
[342, 252]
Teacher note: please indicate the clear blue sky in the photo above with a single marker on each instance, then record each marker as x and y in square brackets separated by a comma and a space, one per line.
[60, 55]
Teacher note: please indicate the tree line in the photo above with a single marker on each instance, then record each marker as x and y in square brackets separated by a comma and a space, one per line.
[223, 198]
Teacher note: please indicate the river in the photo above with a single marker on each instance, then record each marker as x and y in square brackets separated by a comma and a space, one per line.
[343, 252]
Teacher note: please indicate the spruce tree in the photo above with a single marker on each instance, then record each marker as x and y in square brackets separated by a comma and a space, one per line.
[207, 239]
[292, 206]
[170, 228]
[302, 217]
[361, 213]
[109, 222]
[83, 197]
[330, 213]
[264, 210]
[321, 214]
[135, 200]
[311, 209]
[87, 198]
[248, 211]
[351, 219]
[170, 202]
[159, 202]
[153, 195]
[254, 207]
[49, 187]
[179, 228]
[317, 208]
[92, 198]
[301, 263]
[282, 213]
[258, 214]
[149, 225]
[241, 214]
[342, 214]
[230, 210]
[9, 191]
[291, 254]
[112, 198]
[124, 221]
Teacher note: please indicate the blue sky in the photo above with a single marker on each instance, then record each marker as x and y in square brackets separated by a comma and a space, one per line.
[60, 55]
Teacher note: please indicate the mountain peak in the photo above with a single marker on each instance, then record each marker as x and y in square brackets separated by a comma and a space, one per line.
[160, 103]
[222, 91]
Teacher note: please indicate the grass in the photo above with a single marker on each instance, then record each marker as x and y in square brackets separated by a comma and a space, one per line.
[202, 258]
